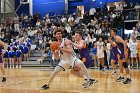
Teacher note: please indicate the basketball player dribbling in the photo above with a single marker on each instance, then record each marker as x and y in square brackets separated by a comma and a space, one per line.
[68, 58]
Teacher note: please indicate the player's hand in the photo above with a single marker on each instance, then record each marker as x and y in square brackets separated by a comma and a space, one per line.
[109, 39]
[58, 48]
[71, 42]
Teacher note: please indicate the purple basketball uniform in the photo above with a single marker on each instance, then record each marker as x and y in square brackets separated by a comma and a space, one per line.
[84, 53]
[1, 54]
[116, 53]
[121, 48]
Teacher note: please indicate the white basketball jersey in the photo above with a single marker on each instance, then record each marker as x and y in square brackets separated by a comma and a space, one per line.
[133, 47]
[100, 47]
[66, 56]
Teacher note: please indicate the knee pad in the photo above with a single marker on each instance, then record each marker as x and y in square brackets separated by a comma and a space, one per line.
[125, 64]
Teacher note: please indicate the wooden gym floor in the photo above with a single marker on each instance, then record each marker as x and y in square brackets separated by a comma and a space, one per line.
[29, 80]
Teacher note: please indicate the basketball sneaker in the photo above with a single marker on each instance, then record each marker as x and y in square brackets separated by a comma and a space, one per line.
[113, 72]
[90, 79]
[16, 66]
[120, 79]
[88, 84]
[20, 66]
[127, 81]
[45, 87]
[3, 79]
[103, 69]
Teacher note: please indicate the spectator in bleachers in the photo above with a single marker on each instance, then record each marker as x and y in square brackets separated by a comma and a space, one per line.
[48, 20]
[41, 42]
[98, 9]
[92, 12]
[70, 19]
[77, 20]
[68, 28]
[112, 17]
[135, 33]
[78, 12]
[50, 55]
[85, 30]
[16, 26]
[119, 7]
[63, 20]
[98, 31]
[94, 50]
[138, 26]
[38, 24]
[51, 13]
[44, 42]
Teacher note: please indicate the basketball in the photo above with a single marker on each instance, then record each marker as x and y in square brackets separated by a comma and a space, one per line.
[53, 45]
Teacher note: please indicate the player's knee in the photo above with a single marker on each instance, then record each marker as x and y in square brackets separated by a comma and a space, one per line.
[125, 64]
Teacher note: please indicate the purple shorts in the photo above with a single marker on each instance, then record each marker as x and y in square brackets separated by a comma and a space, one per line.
[1, 60]
[116, 57]
[122, 56]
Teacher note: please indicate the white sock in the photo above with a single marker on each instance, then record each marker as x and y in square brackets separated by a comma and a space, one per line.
[128, 76]
[4, 76]
[85, 77]
[114, 70]
[57, 70]
[121, 74]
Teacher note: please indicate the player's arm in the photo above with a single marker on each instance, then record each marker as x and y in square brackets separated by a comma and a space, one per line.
[112, 43]
[138, 46]
[68, 48]
[79, 46]
[55, 54]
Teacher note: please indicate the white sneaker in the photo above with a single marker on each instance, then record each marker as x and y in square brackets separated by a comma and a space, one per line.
[16, 66]
[88, 84]
[13, 66]
[113, 72]
[20, 66]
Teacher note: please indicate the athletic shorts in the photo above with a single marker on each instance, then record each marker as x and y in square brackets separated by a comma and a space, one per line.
[1, 59]
[66, 64]
[116, 57]
[100, 55]
[133, 54]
